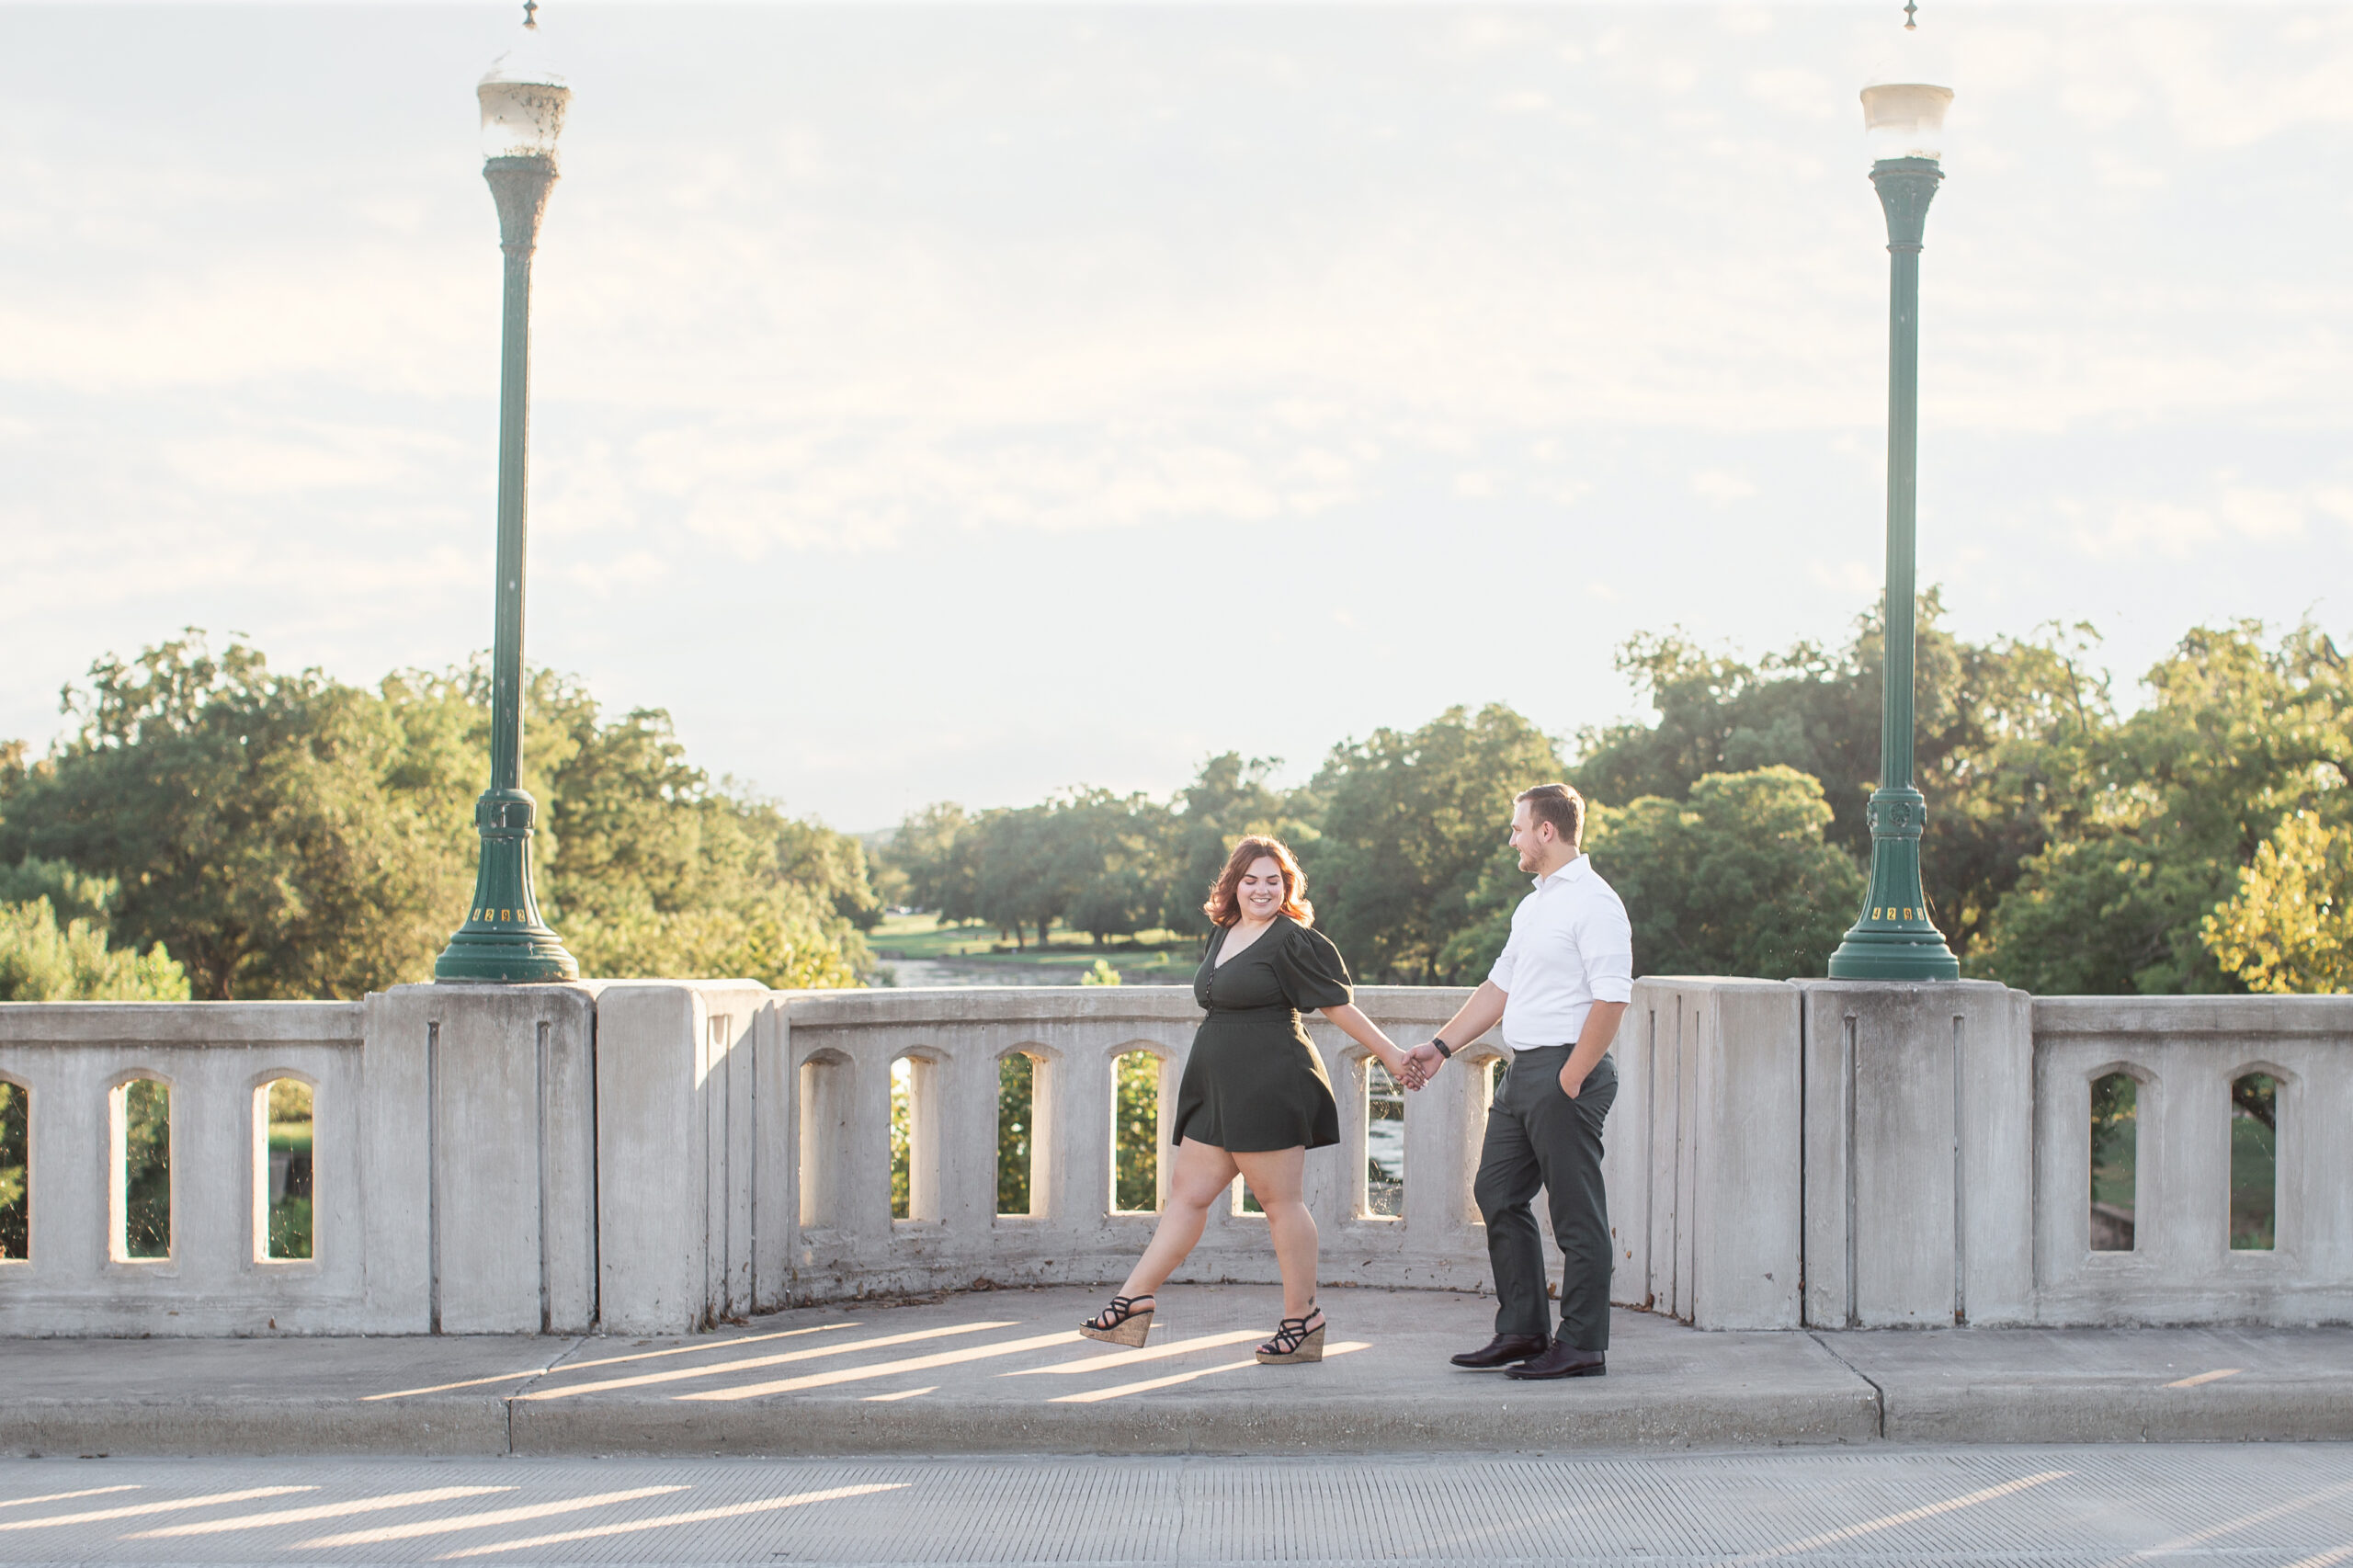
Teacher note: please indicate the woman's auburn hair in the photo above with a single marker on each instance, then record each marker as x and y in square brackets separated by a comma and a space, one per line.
[1224, 906]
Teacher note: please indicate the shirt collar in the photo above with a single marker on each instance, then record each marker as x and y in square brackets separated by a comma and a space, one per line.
[1568, 873]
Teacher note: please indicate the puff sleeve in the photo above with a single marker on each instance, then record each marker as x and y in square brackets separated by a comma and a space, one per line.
[1312, 972]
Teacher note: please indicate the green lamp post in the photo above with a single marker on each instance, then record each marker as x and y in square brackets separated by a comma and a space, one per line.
[1893, 939]
[504, 937]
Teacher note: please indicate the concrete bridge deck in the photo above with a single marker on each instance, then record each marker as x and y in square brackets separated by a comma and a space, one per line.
[1002, 1372]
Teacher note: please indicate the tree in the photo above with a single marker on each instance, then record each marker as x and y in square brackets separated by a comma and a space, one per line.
[281, 834]
[2290, 926]
[1017, 885]
[1735, 879]
[937, 849]
[1229, 799]
[43, 960]
[1106, 855]
[288, 835]
[2002, 732]
[2175, 800]
[1410, 825]
[654, 871]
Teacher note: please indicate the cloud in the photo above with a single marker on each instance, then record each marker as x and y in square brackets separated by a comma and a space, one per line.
[307, 457]
[2176, 529]
[1711, 485]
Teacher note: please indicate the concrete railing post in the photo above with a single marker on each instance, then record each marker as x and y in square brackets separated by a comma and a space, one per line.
[509, 1111]
[1702, 1152]
[1918, 1154]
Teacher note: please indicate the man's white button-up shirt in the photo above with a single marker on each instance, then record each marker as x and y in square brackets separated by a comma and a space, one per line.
[1571, 946]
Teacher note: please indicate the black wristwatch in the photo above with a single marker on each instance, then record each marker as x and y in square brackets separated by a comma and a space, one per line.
[1444, 1051]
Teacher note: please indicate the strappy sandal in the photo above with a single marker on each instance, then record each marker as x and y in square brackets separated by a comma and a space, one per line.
[1121, 1323]
[1294, 1341]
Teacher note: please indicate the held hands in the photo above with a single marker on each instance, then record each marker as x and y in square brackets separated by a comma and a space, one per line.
[1421, 1064]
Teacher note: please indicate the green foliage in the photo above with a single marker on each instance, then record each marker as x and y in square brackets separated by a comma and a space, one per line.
[41, 961]
[1088, 858]
[937, 855]
[147, 1169]
[903, 1118]
[16, 1139]
[288, 835]
[1135, 1133]
[2116, 1147]
[2290, 926]
[2002, 727]
[280, 834]
[1410, 824]
[1017, 1077]
[70, 895]
[289, 1100]
[1735, 879]
[2172, 803]
[1100, 973]
[1230, 800]
[2254, 1161]
[289, 1228]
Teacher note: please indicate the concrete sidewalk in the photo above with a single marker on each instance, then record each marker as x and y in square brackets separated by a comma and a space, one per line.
[1004, 1372]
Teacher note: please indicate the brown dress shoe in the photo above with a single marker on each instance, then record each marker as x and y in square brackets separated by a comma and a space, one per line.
[1563, 1361]
[1501, 1351]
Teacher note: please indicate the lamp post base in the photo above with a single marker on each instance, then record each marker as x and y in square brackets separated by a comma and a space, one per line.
[1893, 939]
[503, 939]
[1871, 955]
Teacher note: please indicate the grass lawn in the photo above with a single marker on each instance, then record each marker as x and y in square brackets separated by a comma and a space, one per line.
[1156, 957]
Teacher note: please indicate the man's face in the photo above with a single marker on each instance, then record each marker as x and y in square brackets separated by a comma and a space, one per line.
[1530, 835]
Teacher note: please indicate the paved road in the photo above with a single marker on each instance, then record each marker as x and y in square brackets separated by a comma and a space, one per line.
[2283, 1505]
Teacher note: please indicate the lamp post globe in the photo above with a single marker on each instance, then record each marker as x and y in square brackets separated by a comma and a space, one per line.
[504, 937]
[1892, 937]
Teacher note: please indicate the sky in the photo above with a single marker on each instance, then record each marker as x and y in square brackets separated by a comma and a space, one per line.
[970, 402]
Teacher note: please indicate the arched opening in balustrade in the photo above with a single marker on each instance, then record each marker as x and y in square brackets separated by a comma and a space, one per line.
[1021, 1134]
[916, 1130]
[1138, 1170]
[16, 1171]
[139, 1183]
[284, 1184]
[1483, 1068]
[2254, 1160]
[824, 1151]
[1380, 1101]
[2116, 1160]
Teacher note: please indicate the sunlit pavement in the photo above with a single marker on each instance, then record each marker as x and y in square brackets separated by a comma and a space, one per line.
[2265, 1507]
[1004, 1372]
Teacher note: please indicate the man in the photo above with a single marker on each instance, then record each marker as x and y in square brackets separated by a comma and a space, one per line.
[1560, 987]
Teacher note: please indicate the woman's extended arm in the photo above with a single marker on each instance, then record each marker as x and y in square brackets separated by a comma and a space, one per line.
[1366, 1033]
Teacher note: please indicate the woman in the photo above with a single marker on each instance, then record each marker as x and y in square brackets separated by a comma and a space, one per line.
[1255, 1098]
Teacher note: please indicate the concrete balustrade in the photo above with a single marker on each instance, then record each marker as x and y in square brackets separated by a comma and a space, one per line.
[654, 1156]
[747, 1150]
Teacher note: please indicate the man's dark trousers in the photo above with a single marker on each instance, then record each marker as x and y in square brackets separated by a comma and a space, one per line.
[1537, 1135]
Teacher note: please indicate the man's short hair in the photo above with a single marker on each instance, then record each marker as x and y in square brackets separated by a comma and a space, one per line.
[1560, 806]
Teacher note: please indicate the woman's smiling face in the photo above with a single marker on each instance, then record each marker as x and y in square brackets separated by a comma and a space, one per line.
[1261, 889]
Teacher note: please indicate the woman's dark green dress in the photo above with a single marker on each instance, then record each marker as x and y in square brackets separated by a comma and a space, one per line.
[1254, 1082]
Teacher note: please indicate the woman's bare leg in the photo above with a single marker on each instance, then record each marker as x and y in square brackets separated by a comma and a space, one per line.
[1203, 1172]
[1276, 1177]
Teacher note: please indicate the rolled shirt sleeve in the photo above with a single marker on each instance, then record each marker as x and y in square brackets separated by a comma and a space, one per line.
[1506, 961]
[1606, 940]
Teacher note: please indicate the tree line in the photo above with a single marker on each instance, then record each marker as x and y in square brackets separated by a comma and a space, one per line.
[2197, 843]
[212, 826]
